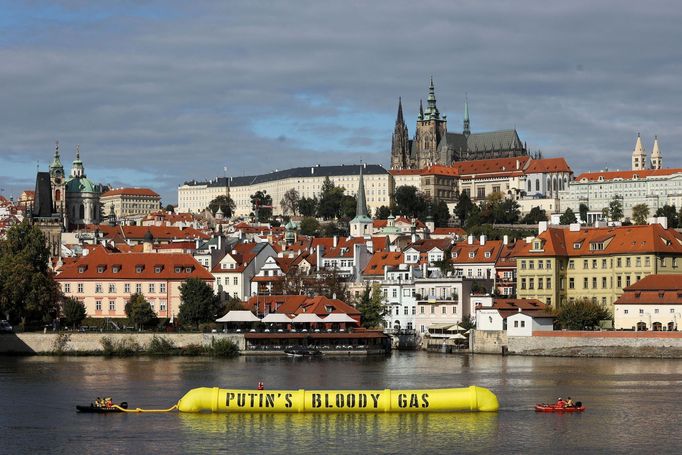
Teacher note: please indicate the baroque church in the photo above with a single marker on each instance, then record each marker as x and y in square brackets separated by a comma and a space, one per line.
[64, 203]
[433, 144]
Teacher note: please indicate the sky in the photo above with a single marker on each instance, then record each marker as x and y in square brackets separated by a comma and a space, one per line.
[157, 92]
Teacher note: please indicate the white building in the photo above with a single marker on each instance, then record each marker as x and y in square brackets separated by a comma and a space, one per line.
[518, 317]
[194, 196]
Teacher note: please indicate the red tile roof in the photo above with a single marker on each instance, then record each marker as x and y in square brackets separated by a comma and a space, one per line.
[163, 233]
[131, 192]
[548, 165]
[500, 166]
[426, 245]
[449, 231]
[376, 264]
[297, 304]
[463, 253]
[530, 307]
[627, 175]
[128, 262]
[653, 290]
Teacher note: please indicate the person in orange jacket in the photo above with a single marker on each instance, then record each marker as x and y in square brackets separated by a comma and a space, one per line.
[560, 403]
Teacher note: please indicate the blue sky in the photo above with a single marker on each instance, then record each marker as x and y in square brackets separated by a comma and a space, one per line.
[160, 92]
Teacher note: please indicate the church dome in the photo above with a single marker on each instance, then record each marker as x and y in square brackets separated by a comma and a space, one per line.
[81, 185]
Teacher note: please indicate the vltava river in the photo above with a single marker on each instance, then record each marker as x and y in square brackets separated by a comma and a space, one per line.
[633, 406]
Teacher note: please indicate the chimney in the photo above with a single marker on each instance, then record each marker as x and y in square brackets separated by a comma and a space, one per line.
[518, 164]
[470, 240]
[505, 240]
[336, 241]
[312, 170]
[319, 257]
[542, 227]
[220, 242]
[481, 239]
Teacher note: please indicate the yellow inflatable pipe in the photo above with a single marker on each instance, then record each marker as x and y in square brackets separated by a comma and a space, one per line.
[431, 400]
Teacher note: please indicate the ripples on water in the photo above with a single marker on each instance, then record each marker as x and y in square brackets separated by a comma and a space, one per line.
[631, 406]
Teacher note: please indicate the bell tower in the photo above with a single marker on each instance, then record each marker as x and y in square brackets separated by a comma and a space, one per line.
[431, 128]
[400, 141]
[58, 183]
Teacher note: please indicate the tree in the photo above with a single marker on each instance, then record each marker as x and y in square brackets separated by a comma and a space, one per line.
[582, 210]
[371, 307]
[225, 203]
[73, 311]
[581, 314]
[382, 213]
[473, 218]
[616, 208]
[410, 202]
[290, 201]
[199, 303]
[329, 206]
[535, 215]
[329, 283]
[464, 207]
[568, 217]
[261, 204]
[640, 213]
[309, 226]
[441, 214]
[670, 212]
[28, 291]
[139, 311]
[349, 206]
[308, 206]
[331, 229]
[170, 208]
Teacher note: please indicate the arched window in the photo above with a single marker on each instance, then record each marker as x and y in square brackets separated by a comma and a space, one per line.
[58, 195]
[555, 184]
[537, 185]
[530, 186]
[81, 212]
[548, 188]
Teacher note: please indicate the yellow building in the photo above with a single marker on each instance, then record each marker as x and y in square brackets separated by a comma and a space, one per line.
[565, 264]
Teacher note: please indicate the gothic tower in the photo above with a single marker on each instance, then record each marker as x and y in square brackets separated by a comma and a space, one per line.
[467, 130]
[639, 156]
[431, 128]
[400, 142]
[656, 157]
[58, 184]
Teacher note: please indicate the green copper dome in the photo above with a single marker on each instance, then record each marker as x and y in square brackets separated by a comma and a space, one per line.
[81, 185]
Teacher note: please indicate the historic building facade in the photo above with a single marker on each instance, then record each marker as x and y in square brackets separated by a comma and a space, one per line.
[433, 144]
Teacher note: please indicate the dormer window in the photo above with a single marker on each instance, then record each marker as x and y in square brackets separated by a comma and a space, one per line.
[188, 269]
[596, 246]
[158, 268]
[178, 269]
[139, 268]
[472, 254]
[82, 268]
[116, 268]
[487, 254]
[577, 245]
[101, 268]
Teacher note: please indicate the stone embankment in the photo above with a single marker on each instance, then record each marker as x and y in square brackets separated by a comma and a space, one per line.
[581, 344]
[46, 343]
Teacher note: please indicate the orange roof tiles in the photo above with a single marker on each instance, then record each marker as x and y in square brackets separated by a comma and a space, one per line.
[463, 253]
[86, 267]
[297, 304]
[627, 175]
[545, 165]
[652, 290]
[378, 261]
[492, 166]
[131, 192]
[165, 233]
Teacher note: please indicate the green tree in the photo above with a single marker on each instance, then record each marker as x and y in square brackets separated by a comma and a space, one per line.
[331, 229]
[582, 210]
[309, 226]
[139, 311]
[73, 312]
[348, 206]
[329, 283]
[382, 213]
[28, 291]
[410, 202]
[474, 218]
[616, 208]
[464, 207]
[640, 213]
[535, 215]
[568, 217]
[371, 307]
[290, 201]
[308, 206]
[170, 208]
[225, 203]
[329, 206]
[441, 214]
[199, 303]
[581, 314]
[670, 212]
[261, 204]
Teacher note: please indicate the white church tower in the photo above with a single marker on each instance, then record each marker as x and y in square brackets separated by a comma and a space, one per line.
[639, 156]
[656, 157]
[361, 225]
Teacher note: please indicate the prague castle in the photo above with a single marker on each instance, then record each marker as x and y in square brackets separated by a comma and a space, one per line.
[433, 144]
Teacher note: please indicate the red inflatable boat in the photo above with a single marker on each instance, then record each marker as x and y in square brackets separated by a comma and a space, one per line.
[554, 408]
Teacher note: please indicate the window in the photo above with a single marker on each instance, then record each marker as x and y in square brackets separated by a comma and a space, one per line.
[80, 288]
[638, 262]
[523, 283]
[619, 281]
[625, 311]
[585, 264]
[112, 288]
[395, 293]
[98, 288]
[628, 263]
[571, 283]
[641, 311]
[531, 265]
[112, 305]
[98, 305]
[523, 323]
[656, 311]
[523, 265]
[421, 309]
[549, 265]
[619, 262]
[162, 305]
[627, 280]
[138, 288]
[603, 263]
[549, 300]
[586, 283]
[454, 310]
[444, 309]
[594, 263]
[405, 311]
[67, 287]
[647, 261]
[549, 283]
[603, 282]
[179, 269]
[480, 193]
[100, 269]
[157, 269]
[594, 282]
[162, 287]
[516, 324]
[235, 281]
[571, 264]
[540, 283]
[433, 309]
[531, 283]
[152, 288]
[414, 310]
[541, 265]
[138, 269]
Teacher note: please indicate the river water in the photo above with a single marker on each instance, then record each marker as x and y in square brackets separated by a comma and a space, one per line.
[632, 405]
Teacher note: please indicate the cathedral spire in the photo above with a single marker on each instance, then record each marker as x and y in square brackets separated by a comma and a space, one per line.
[399, 119]
[638, 155]
[361, 208]
[432, 110]
[77, 169]
[421, 111]
[56, 162]
[656, 156]
[466, 130]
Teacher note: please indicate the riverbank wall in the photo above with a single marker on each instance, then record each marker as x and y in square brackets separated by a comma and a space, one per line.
[580, 344]
[76, 342]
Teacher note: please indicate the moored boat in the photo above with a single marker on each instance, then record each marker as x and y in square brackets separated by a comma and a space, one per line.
[542, 407]
[92, 409]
